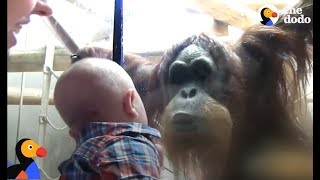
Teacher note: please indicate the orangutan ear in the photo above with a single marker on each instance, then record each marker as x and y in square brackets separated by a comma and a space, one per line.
[128, 104]
[266, 51]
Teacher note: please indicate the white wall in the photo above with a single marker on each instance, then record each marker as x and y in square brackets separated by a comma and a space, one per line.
[58, 143]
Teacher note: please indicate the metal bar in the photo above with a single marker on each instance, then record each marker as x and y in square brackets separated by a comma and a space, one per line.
[61, 33]
[31, 96]
[45, 118]
[45, 97]
[32, 60]
[20, 111]
[118, 33]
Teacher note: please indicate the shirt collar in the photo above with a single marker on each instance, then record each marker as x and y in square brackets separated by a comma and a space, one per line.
[95, 129]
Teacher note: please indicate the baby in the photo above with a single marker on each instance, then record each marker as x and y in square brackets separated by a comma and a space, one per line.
[98, 101]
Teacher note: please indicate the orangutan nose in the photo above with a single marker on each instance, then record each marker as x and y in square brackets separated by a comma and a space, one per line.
[188, 92]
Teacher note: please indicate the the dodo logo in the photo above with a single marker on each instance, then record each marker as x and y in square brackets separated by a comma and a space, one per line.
[269, 15]
[26, 149]
[295, 15]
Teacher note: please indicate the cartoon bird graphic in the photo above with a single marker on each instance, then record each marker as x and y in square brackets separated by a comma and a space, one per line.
[26, 149]
[266, 13]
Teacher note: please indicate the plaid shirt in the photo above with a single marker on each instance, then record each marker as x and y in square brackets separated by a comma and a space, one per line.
[114, 151]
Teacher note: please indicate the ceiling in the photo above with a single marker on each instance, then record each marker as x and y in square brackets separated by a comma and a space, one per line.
[149, 25]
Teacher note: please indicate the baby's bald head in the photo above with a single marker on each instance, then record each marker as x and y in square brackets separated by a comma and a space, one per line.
[95, 89]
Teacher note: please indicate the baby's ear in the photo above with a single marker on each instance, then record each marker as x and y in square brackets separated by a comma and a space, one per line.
[128, 103]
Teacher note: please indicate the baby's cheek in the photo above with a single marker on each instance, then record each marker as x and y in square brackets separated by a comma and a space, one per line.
[18, 9]
[74, 134]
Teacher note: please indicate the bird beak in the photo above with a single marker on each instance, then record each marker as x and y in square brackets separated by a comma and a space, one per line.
[274, 14]
[41, 152]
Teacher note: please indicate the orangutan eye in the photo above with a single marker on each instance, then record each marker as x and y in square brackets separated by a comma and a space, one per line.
[30, 147]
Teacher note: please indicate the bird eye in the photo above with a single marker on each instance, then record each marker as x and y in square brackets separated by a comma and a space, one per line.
[30, 147]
